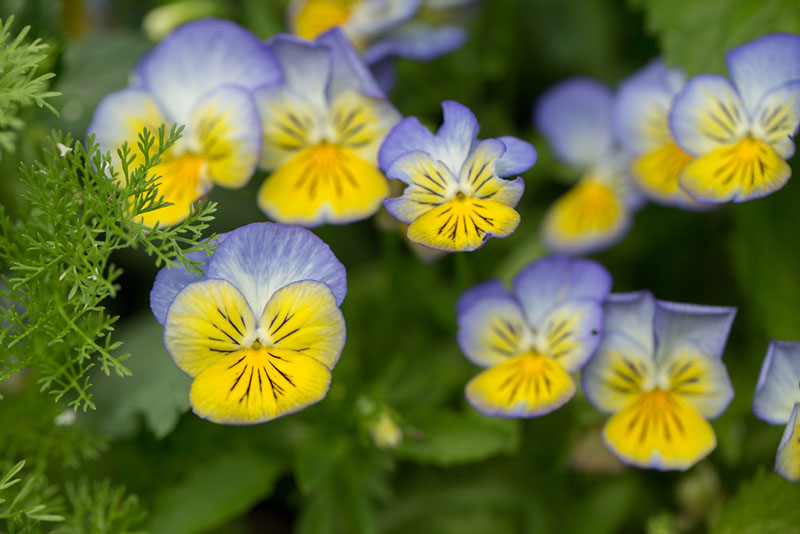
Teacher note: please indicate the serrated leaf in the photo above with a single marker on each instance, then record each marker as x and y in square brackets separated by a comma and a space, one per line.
[447, 438]
[765, 505]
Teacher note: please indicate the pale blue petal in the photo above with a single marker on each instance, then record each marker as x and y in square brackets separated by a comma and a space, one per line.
[349, 70]
[416, 40]
[571, 331]
[455, 136]
[778, 388]
[493, 329]
[306, 66]
[777, 118]
[705, 327]
[407, 136]
[632, 314]
[518, 157]
[490, 288]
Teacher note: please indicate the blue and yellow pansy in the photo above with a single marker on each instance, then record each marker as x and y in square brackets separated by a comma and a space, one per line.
[261, 331]
[641, 120]
[575, 117]
[530, 341]
[741, 132]
[455, 198]
[659, 372]
[322, 128]
[201, 76]
[777, 401]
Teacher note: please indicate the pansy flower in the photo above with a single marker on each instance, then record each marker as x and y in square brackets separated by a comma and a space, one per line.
[641, 112]
[201, 76]
[322, 127]
[659, 371]
[455, 198]
[261, 331]
[777, 401]
[530, 341]
[575, 117]
[741, 132]
[381, 29]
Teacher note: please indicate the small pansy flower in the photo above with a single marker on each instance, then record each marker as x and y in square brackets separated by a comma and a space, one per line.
[261, 331]
[741, 132]
[455, 198]
[322, 127]
[575, 117]
[777, 401]
[641, 111]
[530, 341]
[201, 76]
[659, 371]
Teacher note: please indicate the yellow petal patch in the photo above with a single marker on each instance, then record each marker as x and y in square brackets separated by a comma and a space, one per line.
[361, 123]
[289, 122]
[660, 430]
[256, 385]
[623, 377]
[183, 181]
[524, 386]
[745, 170]
[787, 462]
[319, 16]
[323, 183]
[207, 321]
[463, 224]
[590, 212]
[303, 317]
[656, 173]
[230, 163]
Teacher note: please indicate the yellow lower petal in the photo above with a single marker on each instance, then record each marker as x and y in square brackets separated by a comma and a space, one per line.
[256, 385]
[524, 386]
[746, 170]
[587, 215]
[463, 224]
[323, 183]
[659, 430]
[183, 181]
[787, 461]
[319, 16]
[656, 173]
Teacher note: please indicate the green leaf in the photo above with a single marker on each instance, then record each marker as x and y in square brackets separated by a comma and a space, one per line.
[695, 35]
[156, 389]
[765, 505]
[315, 457]
[447, 438]
[215, 493]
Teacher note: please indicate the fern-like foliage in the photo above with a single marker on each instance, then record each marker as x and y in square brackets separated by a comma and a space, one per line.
[25, 504]
[55, 269]
[19, 84]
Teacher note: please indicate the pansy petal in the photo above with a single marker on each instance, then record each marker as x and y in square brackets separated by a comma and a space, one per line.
[120, 117]
[617, 373]
[416, 40]
[518, 157]
[525, 386]
[306, 66]
[407, 136]
[571, 331]
[254, 386]
[170, 280]
[289, 124]
[633, 314]
[777, 117]
[361, 123]
[226, 126]
[575, 117]
[700, 380]
[430, 184]
[746, 170]
[261, 258]
[207, 321]
[589, 217]
[657, 174]
[310, 18]
[490, 288]
[661, 431]
[303, 317]
[479, 177]
[349, 71]
[463, 225]
[778, 388]
[762, 65]
[707, 115]
[201, 56]
[492, 330]
[705, 327]
[455, 136]
[641, 110]
[787, 462]
[550, 281]
[324, 183]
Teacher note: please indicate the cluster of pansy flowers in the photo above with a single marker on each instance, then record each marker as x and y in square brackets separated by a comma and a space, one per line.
[691, 144]
[261, 330]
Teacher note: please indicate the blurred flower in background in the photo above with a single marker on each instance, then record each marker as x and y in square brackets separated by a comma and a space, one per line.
[777, 401]
[531, 340]
[659, 372]
[201, 76]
